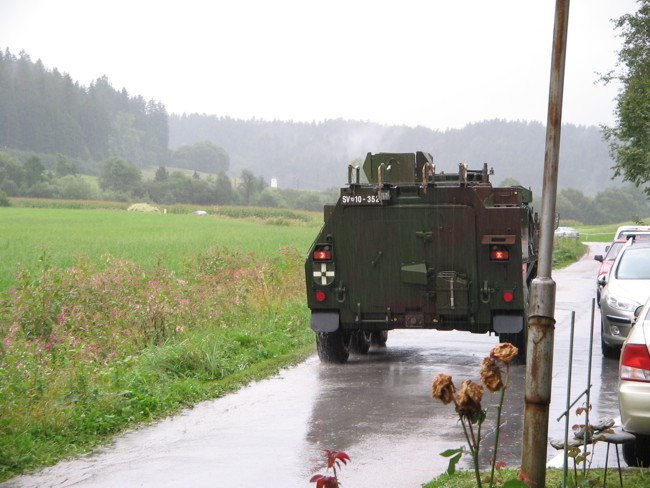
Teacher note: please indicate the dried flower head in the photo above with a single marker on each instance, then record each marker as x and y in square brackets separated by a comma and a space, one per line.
[491, 375]
[443, 388]
[504, 352]
[468, 398]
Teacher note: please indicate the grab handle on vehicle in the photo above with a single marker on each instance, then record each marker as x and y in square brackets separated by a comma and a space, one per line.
[380, 172]
[429, 169]
[339, 292]
[486, 292]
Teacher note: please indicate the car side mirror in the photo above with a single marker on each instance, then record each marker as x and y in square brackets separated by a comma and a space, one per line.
[599, 258]
[637, 311]
[602, 281]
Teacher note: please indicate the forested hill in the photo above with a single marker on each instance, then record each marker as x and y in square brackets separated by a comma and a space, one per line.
[45, 111]
[316, 155]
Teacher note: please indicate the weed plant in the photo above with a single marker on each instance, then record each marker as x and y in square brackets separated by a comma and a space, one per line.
[88, 350]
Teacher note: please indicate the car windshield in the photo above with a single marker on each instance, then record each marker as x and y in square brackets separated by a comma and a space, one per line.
[613, 251]
[634, 265]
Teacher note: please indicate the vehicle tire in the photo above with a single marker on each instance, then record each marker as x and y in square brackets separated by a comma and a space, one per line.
[379, 338]
[360, 341]
[333, 347]
[637, 453]
[611, 352]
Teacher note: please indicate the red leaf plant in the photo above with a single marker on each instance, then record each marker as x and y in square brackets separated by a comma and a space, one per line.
[334, 460]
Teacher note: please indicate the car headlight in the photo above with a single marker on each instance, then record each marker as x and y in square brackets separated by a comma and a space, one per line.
[620, 303]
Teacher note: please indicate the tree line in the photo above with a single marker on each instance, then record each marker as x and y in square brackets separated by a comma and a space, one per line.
[45, 111]
[119, 180]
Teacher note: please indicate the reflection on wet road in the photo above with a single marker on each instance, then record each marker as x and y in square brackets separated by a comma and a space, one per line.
[378, 408]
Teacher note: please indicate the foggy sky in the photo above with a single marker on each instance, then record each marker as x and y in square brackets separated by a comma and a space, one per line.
[440, 64]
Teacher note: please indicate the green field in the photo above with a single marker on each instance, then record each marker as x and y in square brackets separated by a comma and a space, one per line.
[150, 239]
[600, 233]
[111, 318]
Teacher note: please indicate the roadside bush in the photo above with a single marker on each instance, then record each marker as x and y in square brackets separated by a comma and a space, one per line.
[4, 199]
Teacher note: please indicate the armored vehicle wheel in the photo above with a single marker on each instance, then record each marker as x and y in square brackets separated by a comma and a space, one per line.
[379, 338]
[360, 342]
[517, 339]
[333, 347]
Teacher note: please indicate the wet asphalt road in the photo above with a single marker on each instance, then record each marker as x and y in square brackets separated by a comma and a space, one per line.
[378, 408]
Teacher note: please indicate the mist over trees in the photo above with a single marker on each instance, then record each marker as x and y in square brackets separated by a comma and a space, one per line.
[62, 140]
[315, 155]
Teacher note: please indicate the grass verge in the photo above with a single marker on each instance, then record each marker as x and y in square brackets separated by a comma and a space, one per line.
[638, 478]
[88, 351]
[567, 251]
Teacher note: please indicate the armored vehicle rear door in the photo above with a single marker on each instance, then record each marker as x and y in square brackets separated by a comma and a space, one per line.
[403, 259]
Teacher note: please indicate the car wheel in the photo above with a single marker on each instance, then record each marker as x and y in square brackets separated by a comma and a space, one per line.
[333, 347]
[637, 453]
[611, 352]
[360, 342]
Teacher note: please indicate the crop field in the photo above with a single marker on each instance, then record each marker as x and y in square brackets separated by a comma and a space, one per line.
[111, 318]
[28, 236]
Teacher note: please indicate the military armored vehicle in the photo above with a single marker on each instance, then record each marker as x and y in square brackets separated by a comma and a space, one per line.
[411, 247]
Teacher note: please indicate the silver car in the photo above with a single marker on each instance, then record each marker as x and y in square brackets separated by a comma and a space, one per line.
[626, 287]
[567, 232]
[634, 389]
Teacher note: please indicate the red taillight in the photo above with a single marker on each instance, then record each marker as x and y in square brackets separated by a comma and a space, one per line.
[508, 296]
[499, 254]
[320, 296]
[635, 363]
[322, 253]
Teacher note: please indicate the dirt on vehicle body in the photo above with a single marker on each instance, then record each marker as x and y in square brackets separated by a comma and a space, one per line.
[413, 248]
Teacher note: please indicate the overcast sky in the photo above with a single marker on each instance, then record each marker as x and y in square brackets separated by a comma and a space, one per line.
[437, 63]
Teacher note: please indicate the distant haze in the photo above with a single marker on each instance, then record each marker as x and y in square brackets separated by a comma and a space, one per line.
[436, 64]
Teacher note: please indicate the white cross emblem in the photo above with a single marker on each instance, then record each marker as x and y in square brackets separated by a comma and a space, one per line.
[324, 275]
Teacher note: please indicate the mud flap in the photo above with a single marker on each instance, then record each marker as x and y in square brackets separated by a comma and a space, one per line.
[508, 324]
[324, 321]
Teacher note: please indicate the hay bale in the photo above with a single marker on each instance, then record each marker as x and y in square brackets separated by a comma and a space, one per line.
[143, 207]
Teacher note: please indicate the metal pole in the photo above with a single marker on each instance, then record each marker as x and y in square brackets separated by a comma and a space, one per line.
[541, 321]
[591, 351]
[565, 464]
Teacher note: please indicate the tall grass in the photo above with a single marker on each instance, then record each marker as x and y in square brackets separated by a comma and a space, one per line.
[87, 350]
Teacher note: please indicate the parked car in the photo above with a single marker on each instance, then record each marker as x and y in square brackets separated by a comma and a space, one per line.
[627, 230]
[625, 288]
[567, 232]
[606, 262]
[634, 389]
